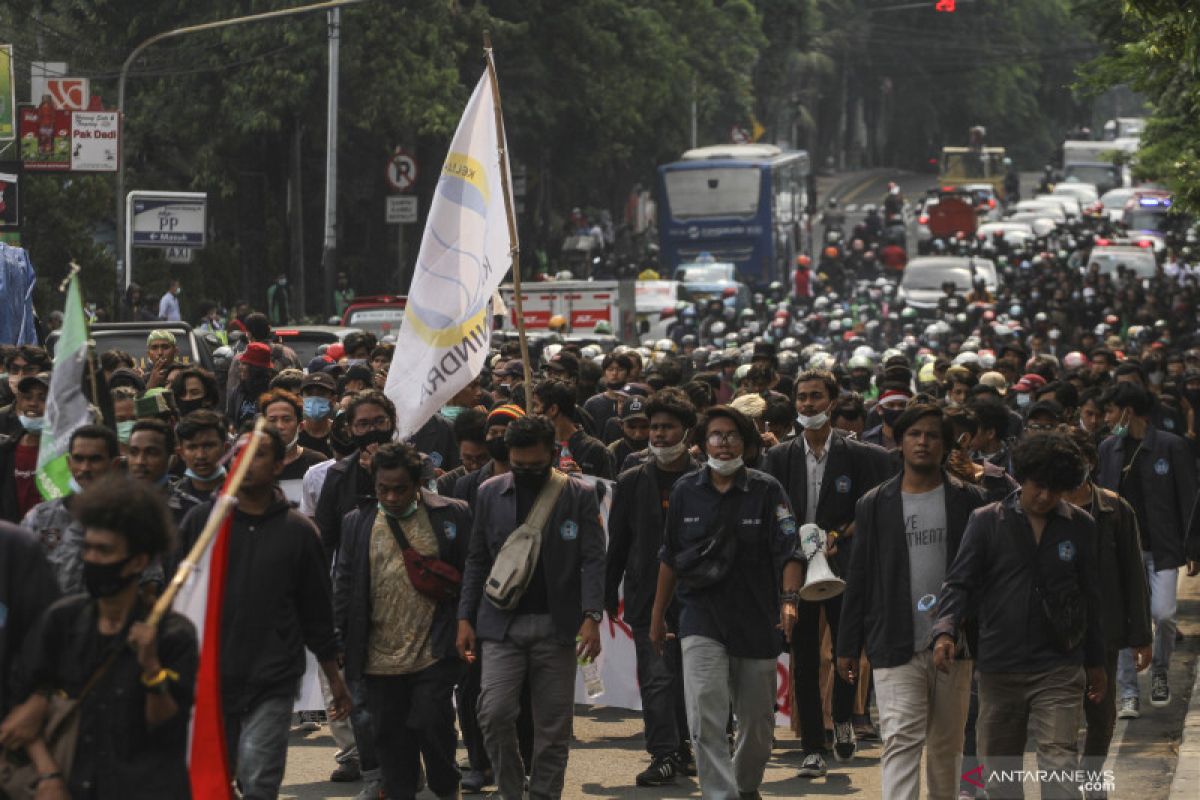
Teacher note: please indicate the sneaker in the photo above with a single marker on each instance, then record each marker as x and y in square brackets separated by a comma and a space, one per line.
[372, 790]
[685, 762]
[473, 780]
[864, 729]
[843, 741]
[749, 796]
[309, 721]
[347, 771]
[660, 772]
[813, 766]
[1160, 691]
[1130, 708]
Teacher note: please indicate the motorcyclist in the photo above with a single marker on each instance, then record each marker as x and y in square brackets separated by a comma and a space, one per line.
[1046, 184]
[893, 201]
[1012, 183]
[833, 219]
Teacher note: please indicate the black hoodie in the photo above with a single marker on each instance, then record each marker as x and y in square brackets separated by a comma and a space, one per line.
[277, 601]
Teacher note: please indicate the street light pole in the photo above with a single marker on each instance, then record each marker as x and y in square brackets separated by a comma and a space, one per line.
[172, 34]
[329, 250]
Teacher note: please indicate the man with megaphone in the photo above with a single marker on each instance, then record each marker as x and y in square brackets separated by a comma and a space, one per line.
[908, 531]
[824, 474]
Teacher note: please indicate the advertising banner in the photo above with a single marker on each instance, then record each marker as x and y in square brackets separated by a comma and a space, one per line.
[45, 137]
[95, 141]
[10, 212]
[8, 99]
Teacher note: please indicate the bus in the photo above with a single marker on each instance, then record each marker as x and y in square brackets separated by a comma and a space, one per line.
[738, 203]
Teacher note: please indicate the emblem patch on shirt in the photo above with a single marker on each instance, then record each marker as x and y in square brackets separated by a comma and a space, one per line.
[842, 484]
[788, 526]
[436, 459]
[1161, 467]
[782, 512]
[451, 530]
[1066, 551]
[569, 531]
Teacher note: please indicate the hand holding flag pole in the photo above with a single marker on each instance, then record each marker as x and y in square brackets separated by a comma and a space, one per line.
[222, 507]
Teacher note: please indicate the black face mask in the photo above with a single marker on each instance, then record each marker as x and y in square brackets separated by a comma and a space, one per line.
[498, 449]
[106, 580]
[188, 406]
[890, 415]
[614, 384]
[531, 478]
[364, 440]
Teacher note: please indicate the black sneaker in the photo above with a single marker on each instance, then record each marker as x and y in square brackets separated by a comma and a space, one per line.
[660, 772]
[843, 741]
[1160, 691]
[685, 762]
[347, 771]
[813, 766]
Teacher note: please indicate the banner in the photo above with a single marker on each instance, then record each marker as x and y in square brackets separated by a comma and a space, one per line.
[45, 133]
[66, 407]
[465, 253]
[8, 95]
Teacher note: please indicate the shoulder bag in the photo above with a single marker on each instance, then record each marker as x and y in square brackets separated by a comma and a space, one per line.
[514, 565]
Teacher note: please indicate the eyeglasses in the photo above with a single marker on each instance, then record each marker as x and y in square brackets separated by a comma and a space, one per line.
[24, 369]
[1040, 427]
[375, 424]
[717, 438]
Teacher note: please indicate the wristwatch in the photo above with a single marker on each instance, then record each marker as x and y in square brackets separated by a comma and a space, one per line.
[595, 616]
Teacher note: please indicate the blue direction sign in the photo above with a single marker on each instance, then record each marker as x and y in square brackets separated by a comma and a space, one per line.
[172, 219]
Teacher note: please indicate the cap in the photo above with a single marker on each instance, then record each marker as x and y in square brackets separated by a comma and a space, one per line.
[28, 382]
[502, 415]
[895, 397]
[155, 403]
[321, 379]
[635, 408]
[514, 369]
[335, 351]
[996, 381]
[126, 377]
[564, 362]
[1029, 382]
[258, 354]
[160, 335]
[318, 364]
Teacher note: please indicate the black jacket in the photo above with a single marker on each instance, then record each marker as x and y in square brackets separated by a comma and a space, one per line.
[277, 601]
[635, 536]
[572, 557]
[446, 481]
[993, 576]
[347, 486]
[851, 469]
[876, 606]
[451, 521]
[591, 455]
[1125, 596]
[436, 440]
[467, 487]
[27, 588]
[1167, 471]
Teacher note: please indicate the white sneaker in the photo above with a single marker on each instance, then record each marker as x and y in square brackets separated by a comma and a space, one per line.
[1130, 708]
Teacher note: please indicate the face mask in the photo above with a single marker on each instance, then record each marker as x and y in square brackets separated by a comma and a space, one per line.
[217, 474]
[669, 454]
[317, 407]
[1023, 400]
[860, 382]
[405, 513]
[725, 468]
[813, 423]
[1157, 377]
[451, 412]
[365, 440]
[106, 580]
[890, 414]
[125, 430]
[295, 439]
[531, 478]
[32, 424]
[498, 449]
[614, 385]
[188, 406]
[1122, 427]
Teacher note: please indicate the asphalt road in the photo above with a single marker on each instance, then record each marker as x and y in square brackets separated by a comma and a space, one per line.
[607, 751]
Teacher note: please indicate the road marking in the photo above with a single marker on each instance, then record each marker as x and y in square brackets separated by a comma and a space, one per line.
[850, 195]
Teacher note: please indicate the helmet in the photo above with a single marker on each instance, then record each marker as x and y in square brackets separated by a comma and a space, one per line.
[717, 329]
[987, 359]
[790, 343]
[665, 346]
[859, 362]
[831, 252]
[967, 358]
[591, 351]
[689, 312]
[558, 323]
[739, 374]
[689, 340]
[747, 314]
[550, 351]
[602, 329]
[833, 203]
[803, 260]
[1074, 360]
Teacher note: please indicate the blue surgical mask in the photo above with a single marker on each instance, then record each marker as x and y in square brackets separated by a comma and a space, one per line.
[32, 424]
[317, 407]
[125, 430]
[405, 513]
[218, 474]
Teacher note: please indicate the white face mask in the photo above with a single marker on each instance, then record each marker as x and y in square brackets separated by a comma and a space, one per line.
[724, 467]
[813, 423]
[669, 454]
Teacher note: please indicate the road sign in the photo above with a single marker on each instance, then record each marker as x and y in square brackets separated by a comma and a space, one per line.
[739, 135]
[160, 219]
[179, 255]
[401, 170]
[401, 209]
[95, 141]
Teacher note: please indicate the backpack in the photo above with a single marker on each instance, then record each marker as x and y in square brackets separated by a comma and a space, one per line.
[514, 565]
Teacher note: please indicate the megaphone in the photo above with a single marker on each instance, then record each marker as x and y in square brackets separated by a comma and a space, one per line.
[819, 581]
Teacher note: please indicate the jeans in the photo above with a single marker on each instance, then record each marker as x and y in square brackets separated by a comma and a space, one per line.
[660, 681]
[806, 671]
[257, 738]
[529, 651]
[364, 732]
[413, 719]
[712, 681]
[1163, 586]
[1046, 705]
[921, 708]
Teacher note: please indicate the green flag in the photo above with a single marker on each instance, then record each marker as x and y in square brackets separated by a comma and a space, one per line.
[66, 407]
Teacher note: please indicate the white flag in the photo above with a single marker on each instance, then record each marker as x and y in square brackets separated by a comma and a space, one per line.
[465, 254]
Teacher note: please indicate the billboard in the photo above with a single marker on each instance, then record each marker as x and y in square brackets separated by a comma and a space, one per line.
[45, 137]
[10, 214]
[95, 141]
[8, 92]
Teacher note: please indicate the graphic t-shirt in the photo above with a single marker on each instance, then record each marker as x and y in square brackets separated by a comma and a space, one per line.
[925, 535]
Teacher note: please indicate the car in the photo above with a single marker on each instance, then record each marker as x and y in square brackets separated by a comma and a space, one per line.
[1148, 210]
[1104, 176]
[1108, 257]
[1113, 202]
[1070, 205]
[1044, 207]
[924, 235]
[702, 281]
[986, 204]
[380, 314]
[195, 346]
[305, 340]
[1015, 233]
[921, 284]
[1085, 193]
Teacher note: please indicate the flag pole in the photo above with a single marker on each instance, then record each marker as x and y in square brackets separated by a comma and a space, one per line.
[222, 507]
[515, 247]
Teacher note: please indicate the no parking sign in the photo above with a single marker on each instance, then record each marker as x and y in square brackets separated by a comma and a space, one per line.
[402, 170]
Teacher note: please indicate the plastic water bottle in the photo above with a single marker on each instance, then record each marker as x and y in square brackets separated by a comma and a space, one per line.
[593, 684]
